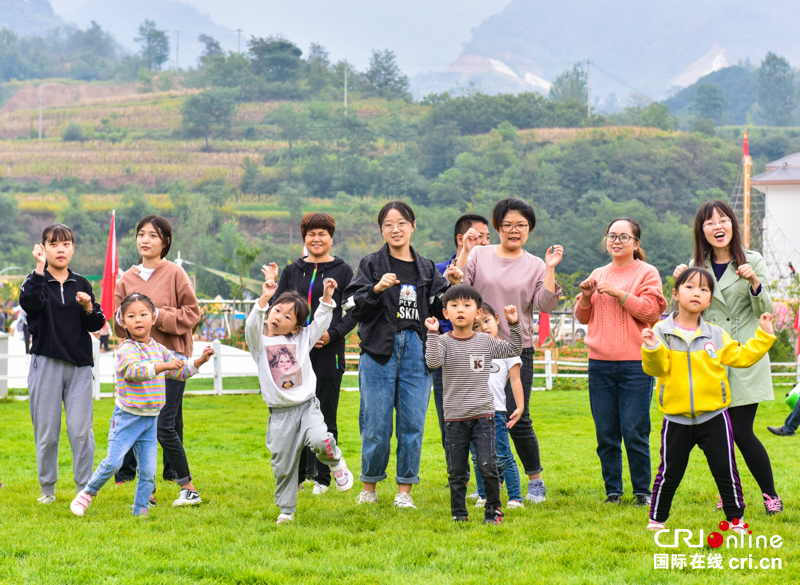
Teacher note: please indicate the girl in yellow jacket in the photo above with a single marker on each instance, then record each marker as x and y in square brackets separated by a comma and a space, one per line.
[688, 356]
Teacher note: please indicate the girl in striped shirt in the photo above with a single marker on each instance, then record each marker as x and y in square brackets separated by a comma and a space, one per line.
[140, 396]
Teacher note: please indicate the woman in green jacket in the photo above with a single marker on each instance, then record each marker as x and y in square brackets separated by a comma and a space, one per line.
[740, 297]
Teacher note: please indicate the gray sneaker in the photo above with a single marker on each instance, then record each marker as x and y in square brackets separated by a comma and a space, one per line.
[473, 496]
[536, 491]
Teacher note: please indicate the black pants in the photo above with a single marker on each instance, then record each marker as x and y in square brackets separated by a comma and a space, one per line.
[170, 437]
[329, 372]
[27, 335]
[715, 438]
[525, 441]
[458, 435]
[104, 342]
[754, 453]
[438, 398]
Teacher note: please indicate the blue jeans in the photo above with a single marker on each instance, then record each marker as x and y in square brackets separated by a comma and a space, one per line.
[793, 420]
[506, 464]
[620, 395]
[402, 386]
[129, 430]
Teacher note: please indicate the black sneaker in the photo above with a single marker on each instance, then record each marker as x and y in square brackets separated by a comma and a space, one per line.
[613, 500]
[773, 505]
[642, 500]
[187, 498]
[779, 431]
[153, 502]
[493, 516]
[460, 519]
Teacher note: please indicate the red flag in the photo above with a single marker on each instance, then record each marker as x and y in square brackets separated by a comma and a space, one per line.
[544, 327]
[746, 145]
[110, 273]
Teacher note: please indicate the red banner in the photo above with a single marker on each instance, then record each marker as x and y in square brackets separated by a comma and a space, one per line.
[110, 273]
[544, 327]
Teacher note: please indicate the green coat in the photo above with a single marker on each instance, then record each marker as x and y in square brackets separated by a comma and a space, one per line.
[737, 311]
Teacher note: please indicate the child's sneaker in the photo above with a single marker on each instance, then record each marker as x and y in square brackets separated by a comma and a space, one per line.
[536, 491]
[319, 489]
[403, 500]
[773, 505]
[493, 516]
[719, 503]
[341, 477]
[187, 498]
[285, 518]
[653, 525]
[46, 499]
[141, 513]
[366, 497]
[480, 502]
[473, 496]
[153, 501]
[515, 504]
[739, 528]
[80, 503]
[460, 519]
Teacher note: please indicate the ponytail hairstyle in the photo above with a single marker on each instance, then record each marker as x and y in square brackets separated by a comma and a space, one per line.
[128, 301]
[162, 228]
[638, 253]
[703, 250]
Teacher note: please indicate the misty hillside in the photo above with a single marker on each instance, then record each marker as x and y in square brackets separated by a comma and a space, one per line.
[28, 17]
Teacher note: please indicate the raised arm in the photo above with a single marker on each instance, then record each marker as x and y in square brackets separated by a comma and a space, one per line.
[736, 355]
[434, 348]
[500, 348]
[656, 358]
[324, 313]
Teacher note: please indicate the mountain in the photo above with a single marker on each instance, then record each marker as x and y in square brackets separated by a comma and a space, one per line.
[28, 17]
[739, 85]
[634, 46]
[123, 17]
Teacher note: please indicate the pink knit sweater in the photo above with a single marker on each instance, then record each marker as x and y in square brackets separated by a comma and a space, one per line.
[614, 328]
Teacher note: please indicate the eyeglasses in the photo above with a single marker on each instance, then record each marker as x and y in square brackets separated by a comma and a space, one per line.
[401, 225]
[510, 227]
[623, 238]
[724, 221]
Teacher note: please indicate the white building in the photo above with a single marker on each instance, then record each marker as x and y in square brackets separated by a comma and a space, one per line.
[780, 184]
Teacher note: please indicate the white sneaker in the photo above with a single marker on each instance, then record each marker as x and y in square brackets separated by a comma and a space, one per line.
[46, 499]
[366, 497]
[480, 502]
[403, 500]
[300, 487]
[319, 489]
[514, 504]
[187, 498]
[739, 528]
[655, 525]
[285, 518]
[473, 496]
[342, 476]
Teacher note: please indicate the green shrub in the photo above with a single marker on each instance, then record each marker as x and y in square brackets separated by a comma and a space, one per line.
[72, 133]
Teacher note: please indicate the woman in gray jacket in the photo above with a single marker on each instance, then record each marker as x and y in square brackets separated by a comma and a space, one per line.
[740, 297]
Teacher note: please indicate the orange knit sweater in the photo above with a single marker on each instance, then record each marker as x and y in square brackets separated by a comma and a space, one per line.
[615, 328]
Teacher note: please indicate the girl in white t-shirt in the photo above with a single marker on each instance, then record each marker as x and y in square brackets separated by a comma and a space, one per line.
[488, 321]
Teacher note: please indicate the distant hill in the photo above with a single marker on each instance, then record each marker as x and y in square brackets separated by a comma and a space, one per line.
[28, 17]
[739, 85]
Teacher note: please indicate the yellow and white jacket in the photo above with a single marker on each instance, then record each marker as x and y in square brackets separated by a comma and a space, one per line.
[692, 379]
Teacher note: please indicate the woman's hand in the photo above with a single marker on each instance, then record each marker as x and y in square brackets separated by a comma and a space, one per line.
[41, 259]
[553, 256]
[649, 337]
[323, 341]
[207, 353]
[514, 418]
[454, 274]
[588, 288]
[765, 322]
[85, 301]
[746, 271]
[679, 270]
[432, 323]
[606, 288]
[327, 290]
[387, 280]
[511, 314]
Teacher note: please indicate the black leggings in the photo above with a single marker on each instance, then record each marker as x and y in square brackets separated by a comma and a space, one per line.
[754, 453]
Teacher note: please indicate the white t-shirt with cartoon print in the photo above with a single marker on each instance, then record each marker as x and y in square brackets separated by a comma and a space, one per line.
[498, 379]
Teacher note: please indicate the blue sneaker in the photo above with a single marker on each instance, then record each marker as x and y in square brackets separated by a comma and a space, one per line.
[536, 491]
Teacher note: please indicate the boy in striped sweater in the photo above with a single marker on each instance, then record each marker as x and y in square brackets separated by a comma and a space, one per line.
[141, 361]
[465, 357]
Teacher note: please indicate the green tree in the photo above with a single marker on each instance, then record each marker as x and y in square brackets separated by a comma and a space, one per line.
[704, 126]
[72, 133]
[438, 149]
[275, 58]
[709, 102]
[204, 111]
[571, 85]
[293, 127]
[777, 95]
[318, 67]
[657, 115]
[154, 45]
[212, 46]
[384, 77]
[292, 198]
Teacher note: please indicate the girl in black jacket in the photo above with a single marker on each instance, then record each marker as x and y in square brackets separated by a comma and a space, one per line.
[392, 293]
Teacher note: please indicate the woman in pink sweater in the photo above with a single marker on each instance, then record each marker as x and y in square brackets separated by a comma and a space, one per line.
[617, 301]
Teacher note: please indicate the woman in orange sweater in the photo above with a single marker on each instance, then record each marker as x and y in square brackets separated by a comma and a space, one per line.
[617, 301]
[177, 312]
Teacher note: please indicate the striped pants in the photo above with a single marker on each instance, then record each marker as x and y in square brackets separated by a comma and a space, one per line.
[715, 438]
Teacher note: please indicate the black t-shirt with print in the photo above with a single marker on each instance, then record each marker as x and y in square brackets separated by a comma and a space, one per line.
[407, 312]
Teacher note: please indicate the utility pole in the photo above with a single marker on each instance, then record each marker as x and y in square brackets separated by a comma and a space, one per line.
[177, 50]
[345, 88]
[239, 40]
[40, 110]
[588, 89]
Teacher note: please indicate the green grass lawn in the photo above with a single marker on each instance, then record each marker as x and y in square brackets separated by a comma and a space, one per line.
[232, 537]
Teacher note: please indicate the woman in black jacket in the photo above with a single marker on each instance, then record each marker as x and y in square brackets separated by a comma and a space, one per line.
[393, 292]
[306, 276]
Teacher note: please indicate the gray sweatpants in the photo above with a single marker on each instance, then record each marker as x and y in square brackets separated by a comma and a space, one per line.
[290, 430]
[51, 382]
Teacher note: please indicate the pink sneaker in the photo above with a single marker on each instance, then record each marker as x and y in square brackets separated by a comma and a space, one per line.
[342, 476]
[655, 525]
[773, 505]
[80, 503]
[719, 503]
